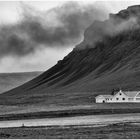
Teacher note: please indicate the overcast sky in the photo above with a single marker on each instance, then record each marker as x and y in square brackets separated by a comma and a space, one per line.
[35, 35]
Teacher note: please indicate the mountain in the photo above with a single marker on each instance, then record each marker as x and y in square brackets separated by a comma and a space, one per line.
[108, 58]
[12, 80]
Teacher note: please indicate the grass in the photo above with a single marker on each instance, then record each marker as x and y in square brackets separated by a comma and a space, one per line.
[113, 131]
[96, 109]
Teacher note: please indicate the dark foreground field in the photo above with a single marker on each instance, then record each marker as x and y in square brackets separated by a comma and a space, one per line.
[113, 131]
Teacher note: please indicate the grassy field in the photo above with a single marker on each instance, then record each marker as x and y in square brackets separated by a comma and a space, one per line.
[113, 131]
[95, 109]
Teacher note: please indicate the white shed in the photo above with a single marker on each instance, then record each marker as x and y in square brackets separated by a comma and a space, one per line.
[103, 98]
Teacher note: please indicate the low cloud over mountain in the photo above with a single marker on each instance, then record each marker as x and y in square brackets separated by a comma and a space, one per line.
[59, 27]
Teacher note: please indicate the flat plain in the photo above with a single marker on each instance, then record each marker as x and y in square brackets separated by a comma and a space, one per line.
[112, 131]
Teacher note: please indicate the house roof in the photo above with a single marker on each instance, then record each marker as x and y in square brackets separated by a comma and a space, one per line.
[138, 94]
[104, 96]
[127, 93]
[131, 93]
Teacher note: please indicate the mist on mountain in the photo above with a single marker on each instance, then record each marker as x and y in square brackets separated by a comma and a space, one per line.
[57, 28]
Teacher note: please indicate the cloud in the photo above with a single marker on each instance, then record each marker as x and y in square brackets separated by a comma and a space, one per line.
[57, 28]
[125, 20]
[40, 60]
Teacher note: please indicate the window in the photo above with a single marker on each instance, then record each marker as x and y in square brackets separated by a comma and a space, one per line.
[123, 98]
[117, 98]
[120, 94]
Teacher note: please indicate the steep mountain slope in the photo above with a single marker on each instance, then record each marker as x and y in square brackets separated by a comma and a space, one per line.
[108, 58]
[12, 80]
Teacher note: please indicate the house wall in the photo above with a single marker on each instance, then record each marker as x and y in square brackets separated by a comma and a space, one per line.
[120, 97]
[136, 99]
[108, 100]
[100, 100]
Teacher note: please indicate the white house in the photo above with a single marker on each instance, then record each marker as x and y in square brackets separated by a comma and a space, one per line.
[119, 97]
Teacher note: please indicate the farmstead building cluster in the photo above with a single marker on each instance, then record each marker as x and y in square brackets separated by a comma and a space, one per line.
[119, 97]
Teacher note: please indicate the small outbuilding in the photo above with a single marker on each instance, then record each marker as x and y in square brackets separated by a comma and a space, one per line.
[103, 98]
